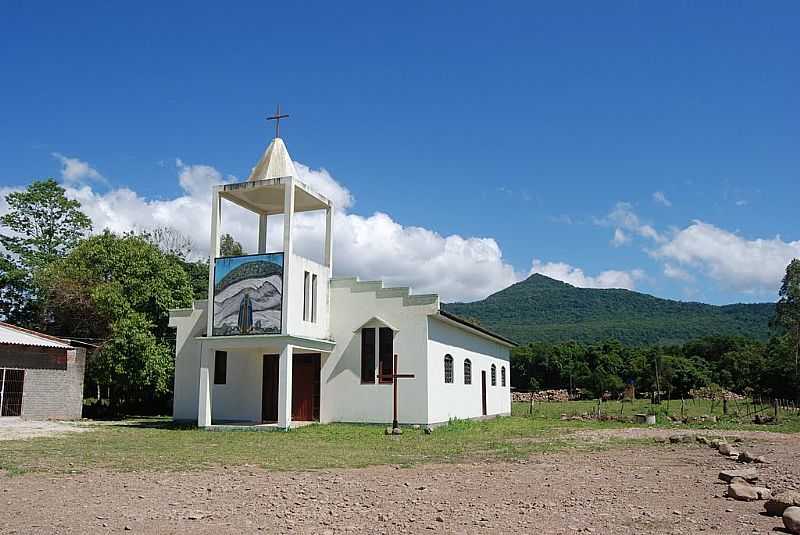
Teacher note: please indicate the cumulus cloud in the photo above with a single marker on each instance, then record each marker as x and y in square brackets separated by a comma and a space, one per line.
[660, 198]
[753, 266]
[674, 272]
[75, 171]
[622, 217]
[620, 238]
[576, 276]
[370, 247]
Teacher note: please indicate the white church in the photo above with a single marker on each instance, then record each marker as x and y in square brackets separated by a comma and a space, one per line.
[280, 342]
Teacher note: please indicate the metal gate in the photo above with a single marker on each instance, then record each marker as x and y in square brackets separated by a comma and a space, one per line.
[11, 384]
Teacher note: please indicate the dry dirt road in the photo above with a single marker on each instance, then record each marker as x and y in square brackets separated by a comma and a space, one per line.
[659, 489]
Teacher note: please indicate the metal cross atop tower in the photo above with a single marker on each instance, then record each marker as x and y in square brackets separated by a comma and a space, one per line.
[277, 118]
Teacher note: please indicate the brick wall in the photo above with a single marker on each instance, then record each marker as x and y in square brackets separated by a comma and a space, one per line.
[53, 385]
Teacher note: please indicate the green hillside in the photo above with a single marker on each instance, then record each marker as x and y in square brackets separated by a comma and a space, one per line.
[543, 309]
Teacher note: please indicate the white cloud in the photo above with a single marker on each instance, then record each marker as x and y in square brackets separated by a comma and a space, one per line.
[674, 272]
[741, 202]
[576, 277]
[75, 171]
[660, 198]
[620, 238]
[371, 247]
[623, 217]
[754, 266]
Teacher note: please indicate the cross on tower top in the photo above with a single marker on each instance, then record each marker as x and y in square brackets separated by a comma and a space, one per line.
[277, 118]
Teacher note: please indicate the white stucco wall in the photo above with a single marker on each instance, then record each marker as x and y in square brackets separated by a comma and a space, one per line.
[297, 325]
[344, 398]
[457, 400]
[188, 324]
[239, 399]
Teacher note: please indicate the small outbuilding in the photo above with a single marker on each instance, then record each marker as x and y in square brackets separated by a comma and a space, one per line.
[41, 376]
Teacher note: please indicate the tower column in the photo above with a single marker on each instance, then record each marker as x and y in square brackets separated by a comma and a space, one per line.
[216, 216]
[262, 233]
[285, 387]
[329, 239]
[204, 388]
[288, 215]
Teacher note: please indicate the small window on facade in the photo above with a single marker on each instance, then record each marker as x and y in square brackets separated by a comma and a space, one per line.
[502, 376]
[220, 367]
[467, 372]
[448, 369]
[494, 375]
[314, 297]
[368, 355]
[306, 291]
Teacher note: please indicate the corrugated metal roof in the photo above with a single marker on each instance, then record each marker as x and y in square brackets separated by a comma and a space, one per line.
[11, 334]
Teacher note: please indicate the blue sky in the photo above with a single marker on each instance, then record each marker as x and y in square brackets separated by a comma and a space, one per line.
[544, 130]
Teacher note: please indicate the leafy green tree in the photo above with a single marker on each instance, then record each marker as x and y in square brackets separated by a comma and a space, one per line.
[230, 247]
[681, 374]
[41, 226]
[119, 289]
[788, 314]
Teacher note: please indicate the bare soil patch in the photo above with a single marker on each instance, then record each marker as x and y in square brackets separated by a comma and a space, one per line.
[17, 428]
[659, 489]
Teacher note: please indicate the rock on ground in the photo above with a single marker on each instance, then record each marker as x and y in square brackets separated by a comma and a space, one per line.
[791, 519]
[748, 474]
[780, 501]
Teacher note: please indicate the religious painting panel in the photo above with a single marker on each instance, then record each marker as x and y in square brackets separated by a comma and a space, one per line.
[248, 294]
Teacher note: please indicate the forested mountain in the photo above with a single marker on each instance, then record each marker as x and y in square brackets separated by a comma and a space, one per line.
[546, 310]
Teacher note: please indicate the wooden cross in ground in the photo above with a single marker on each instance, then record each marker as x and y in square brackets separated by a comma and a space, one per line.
[277, 118]
[393, 377]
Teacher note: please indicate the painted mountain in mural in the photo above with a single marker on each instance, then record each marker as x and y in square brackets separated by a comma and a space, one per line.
[248, 295]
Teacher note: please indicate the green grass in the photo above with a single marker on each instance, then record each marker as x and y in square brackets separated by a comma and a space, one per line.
[738, 417]
[159, 445]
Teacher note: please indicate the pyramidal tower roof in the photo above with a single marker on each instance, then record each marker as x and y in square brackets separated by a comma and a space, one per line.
[275, 163]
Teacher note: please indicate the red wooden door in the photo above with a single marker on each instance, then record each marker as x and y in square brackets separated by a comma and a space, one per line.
[483, 391]
[305, 387]
[269, 389]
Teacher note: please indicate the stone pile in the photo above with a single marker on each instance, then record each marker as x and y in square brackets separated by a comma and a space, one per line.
[742, 483]
[541, 395]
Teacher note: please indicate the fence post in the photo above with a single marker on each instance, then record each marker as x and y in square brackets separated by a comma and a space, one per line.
[775, 408]
[725, 405]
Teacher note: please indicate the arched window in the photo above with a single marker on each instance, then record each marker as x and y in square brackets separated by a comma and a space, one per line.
[467, 372]
[494, 375]
[448, 369]
[502, 376]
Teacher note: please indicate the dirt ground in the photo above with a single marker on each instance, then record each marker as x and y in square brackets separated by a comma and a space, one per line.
[17, 428]
[658, 489]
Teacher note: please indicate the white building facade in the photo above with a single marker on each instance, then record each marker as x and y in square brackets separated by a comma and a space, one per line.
[281, 341]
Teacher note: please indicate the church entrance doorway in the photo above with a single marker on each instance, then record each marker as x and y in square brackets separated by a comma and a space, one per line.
[305, 387]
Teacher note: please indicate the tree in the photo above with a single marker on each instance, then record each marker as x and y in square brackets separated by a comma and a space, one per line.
[788, 313]
[230, 247]
[43, 225]
[119, 289]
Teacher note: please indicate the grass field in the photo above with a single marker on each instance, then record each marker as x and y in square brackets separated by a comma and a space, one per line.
[157, 444]
[739, 414]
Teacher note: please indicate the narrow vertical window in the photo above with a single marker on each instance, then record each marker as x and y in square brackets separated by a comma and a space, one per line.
[494, 375]
[385, 351]
[220, 367]
[448, 369]
[368, 355]
[467, 372]
[502, 376]
[306, 286]
[314, 298]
